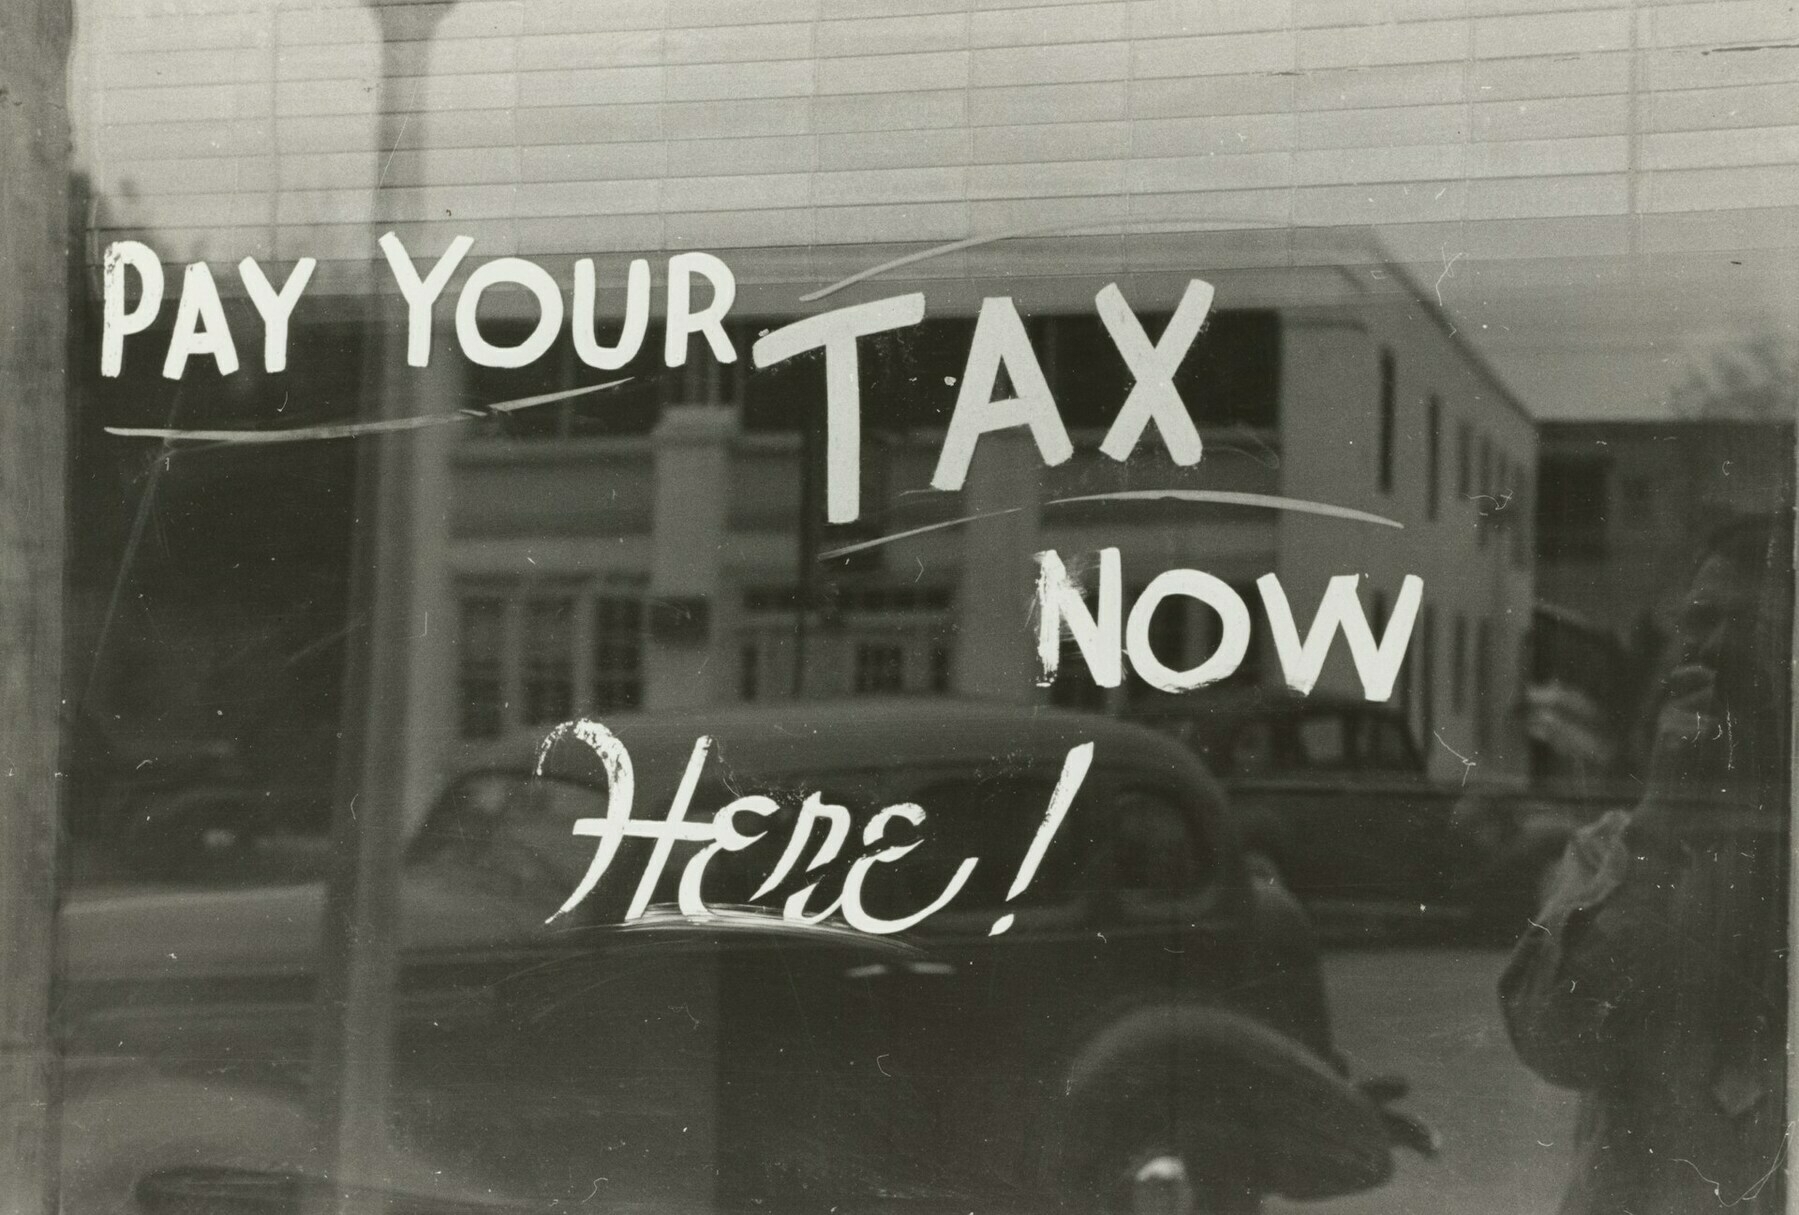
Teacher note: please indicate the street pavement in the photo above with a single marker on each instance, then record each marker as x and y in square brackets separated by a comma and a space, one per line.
[1432, 1016]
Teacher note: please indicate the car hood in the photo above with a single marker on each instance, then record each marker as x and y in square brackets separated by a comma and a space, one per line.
[150, 933]
[146, 934]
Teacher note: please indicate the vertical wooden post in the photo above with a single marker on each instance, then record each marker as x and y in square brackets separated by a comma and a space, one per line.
[34, 303]
[353, 1058]
[352, 1049]
[1792, 1068]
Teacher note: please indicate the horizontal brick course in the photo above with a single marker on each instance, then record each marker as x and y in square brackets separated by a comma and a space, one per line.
[822, 120]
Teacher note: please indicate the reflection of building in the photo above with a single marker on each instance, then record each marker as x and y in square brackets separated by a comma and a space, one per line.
[641, 547]
[1625, 505]
[1623, 509]
[622, 553]
[809, 141]
[805, 143]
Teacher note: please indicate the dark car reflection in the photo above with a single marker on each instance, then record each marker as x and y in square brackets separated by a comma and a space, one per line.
[1335, 801]
[1153, 1022]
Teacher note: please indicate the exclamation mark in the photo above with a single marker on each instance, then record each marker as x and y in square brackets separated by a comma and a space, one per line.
[1074, 771]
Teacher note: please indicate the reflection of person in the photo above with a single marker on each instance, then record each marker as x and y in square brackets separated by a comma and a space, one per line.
[1654, 978]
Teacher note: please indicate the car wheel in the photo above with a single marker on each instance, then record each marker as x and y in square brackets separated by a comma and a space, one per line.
[1194, 1109]
[1159, 1183]
[1163, 1159]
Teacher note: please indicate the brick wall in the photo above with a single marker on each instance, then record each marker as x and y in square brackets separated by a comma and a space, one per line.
[1508, 128]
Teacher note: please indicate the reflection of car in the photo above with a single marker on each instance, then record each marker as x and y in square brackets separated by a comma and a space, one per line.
[1153, 1018]
[154, 811]
[1333, 798]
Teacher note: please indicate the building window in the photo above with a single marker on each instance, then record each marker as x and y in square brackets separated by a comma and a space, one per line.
[549, 657]
[899, 598]
[1426, 641]
[1433, 459]
[1458, 669]
[1389, 404]
[1572, 500]
[1483, 684]
[880, 667]
[1486, 505]
[1464, 461]
[749, 670]
[1524, 503]
[617, 652]
[533, 659]
[1229, 377]
[482, 645]
[876, 636]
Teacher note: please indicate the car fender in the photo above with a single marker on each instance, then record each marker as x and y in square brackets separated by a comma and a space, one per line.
[1275, 1113]
[1261, 828]
[121, 1131]
[1288, 990]
[125, 1132]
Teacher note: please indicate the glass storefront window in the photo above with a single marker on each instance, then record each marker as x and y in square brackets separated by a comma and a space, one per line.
[1125, 605]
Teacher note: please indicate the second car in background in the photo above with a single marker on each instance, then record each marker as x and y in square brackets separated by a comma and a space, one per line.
[1336, 802]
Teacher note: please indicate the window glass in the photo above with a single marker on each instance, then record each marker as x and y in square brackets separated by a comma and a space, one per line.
[1389, 417]
[1154, 851]
[549, 651]
[322, 515]
[989, 816]
[618, 645]
[505, 833]
[880, 667]
[483, 630]
[1170, 627]
[984, 816]
[1429, 670]
[1573, 499]
[1458, 665]
[1433, 456]
[1253, 749]
[1387, 745]
[1322, 742]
